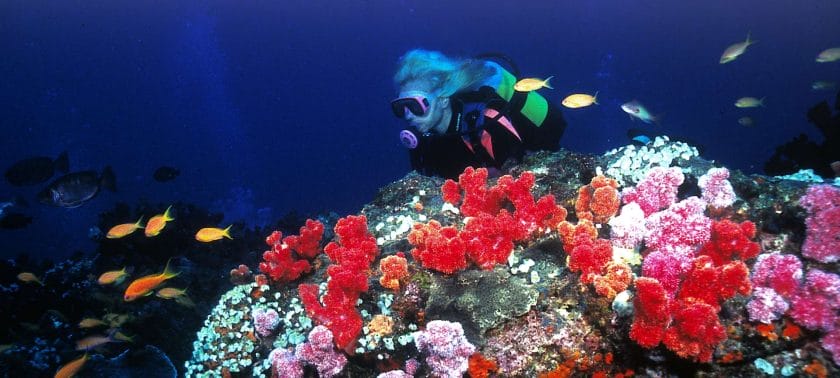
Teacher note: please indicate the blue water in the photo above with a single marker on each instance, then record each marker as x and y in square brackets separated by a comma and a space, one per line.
[270, 107]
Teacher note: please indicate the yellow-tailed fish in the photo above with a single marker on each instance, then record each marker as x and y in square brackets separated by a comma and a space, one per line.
[209, 234]
[71, 368]
[119, 336]
[170, 292]
[156, 224]
[734, 51]
[749, 102]
[829, 55]
[91, 323]
[580, 100]
[532, 84]
[124, 229]
[114, 277]
[29, 278]
[143, 286]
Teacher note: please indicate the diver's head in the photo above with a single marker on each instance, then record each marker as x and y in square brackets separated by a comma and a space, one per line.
[425, 111]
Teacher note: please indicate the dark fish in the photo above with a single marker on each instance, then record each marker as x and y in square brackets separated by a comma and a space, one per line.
[36, 170]
[13, 221]
[165, 173]
[74, 189]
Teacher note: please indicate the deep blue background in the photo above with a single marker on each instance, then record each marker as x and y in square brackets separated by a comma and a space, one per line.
[273, 106]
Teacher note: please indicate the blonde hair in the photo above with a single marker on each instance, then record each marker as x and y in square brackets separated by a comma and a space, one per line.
[444, 75]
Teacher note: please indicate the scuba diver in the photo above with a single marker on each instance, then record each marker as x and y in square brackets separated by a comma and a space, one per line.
[465, 112]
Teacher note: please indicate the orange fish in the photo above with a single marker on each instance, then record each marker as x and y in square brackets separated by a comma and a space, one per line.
[115, 277]
[143, 286]
[29, 277]
[124, 229]
[158, 222]
[209, 234]
[71, 368]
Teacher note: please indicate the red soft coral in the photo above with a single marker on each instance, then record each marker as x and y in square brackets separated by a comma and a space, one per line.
[438, 248]
[598, 201]
[489, 239]
[589, 257]
[731, 241]
[695, 331]
[651, 316]
[393, 268]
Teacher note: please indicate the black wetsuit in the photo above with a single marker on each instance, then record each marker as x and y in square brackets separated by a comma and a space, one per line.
[447, 155]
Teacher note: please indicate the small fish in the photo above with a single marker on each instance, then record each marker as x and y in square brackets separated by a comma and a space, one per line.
[746, 122]
[74, 189]
[734, 51]
[143, 286]
[171, 292]
[531, 84]
[156, 224]
[184, 301]
[823, 85]
[636, 110]
[91, 323]
[29, 278]
[638, 137]
[116, 320]
[125, 229]
[119, 336]
[580, 100]
[829, 55]
[93, 342]
[209, 234]
[36, 170]
[164, 174]
[114, 277]
[6, 347]
[749, 102]
[71, 368]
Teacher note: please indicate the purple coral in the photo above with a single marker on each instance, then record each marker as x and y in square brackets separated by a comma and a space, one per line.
[716, 189]
[766, 305]
[448, 351]
[656, 191]
[265, 321]
[822, 242]
[285, 363]
[320, 352]
[682, 225]
[815, 306]
[628, 229]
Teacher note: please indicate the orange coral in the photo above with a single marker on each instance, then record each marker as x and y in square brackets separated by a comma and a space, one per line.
[599, 200]
[816, 369]
[791, 331]
[617, 279]
[381, 325]
[569, 231]
[480, 367]
[393, 268]
[768, 331]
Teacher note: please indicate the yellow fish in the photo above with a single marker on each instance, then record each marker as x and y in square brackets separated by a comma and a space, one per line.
[119, 336]
[532, 84]
[580, 100]
[91, 323]
[209, 234]
[170, 292]
[71, 368]
[158, 222]
[29, 277]
[124, 229]
[749, 102]
[93, 342]
[829, 55]
[734, 51]
[115, 277]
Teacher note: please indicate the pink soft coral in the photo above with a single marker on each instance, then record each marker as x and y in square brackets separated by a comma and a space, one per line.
[822, 242]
